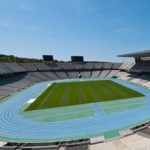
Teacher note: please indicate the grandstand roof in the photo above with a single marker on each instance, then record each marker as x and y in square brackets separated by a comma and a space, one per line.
[137, 54]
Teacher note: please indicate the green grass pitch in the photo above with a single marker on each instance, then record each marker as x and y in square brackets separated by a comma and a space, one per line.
[75, 93]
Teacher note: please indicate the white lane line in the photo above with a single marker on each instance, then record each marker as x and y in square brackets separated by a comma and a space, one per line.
[49, 84]
[31, 101]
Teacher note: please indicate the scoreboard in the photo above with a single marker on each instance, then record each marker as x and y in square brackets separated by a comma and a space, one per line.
[48, 57]
[77, 58]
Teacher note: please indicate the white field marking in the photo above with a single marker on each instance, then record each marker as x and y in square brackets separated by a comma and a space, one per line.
[49, 84]
[31, 101]
[2, 144]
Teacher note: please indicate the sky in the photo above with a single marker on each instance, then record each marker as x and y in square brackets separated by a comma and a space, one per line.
[97, 29]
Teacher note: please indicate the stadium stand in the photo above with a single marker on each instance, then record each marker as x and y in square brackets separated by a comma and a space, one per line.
[4, 70]
[88, 66]
[42, 66]
[28, 66]
[85, 74]
[61, 75]
[17, 76]
[78, 145]
[144, 132]
[39, 146]
[104, 73]
[116, 66]
[107, 66]
[73, 74]
[14, 67]
[126, 66]
[11, 146]
[98, 66]
[140, 67]
[77, 66]
[95, 74]
[55, 66]
[67, 66]
[112, 73]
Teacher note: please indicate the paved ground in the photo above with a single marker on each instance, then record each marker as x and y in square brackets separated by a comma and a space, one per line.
[133, 142]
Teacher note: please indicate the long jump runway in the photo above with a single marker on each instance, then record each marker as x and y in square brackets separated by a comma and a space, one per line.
[14, 127]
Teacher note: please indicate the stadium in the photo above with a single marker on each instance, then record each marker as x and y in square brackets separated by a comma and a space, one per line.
[75, 105]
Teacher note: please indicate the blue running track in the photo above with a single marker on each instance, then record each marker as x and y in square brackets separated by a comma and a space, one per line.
[14, 127]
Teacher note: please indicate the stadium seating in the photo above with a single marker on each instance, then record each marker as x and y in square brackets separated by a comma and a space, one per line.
[140, 67]
[28, 66]
[107, 66]
[95, 74]
[55, 66]
[73, 74]
[4, 69]
[39, 146]
[88, 66]
[42, 66]
[61, 75]
[77, 147]
[116, 66]
[126, 66]
[98, 66]
[144, 132]
[77, 66]
[112, 73]
[10, 146]
[50, 75]
[67, 66]
[85, 74]
[17, 76]
[14, 67]
[70, 145]
[104, 73]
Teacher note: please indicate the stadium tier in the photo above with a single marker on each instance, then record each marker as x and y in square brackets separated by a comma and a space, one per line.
[17, 76]
[21, 82]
